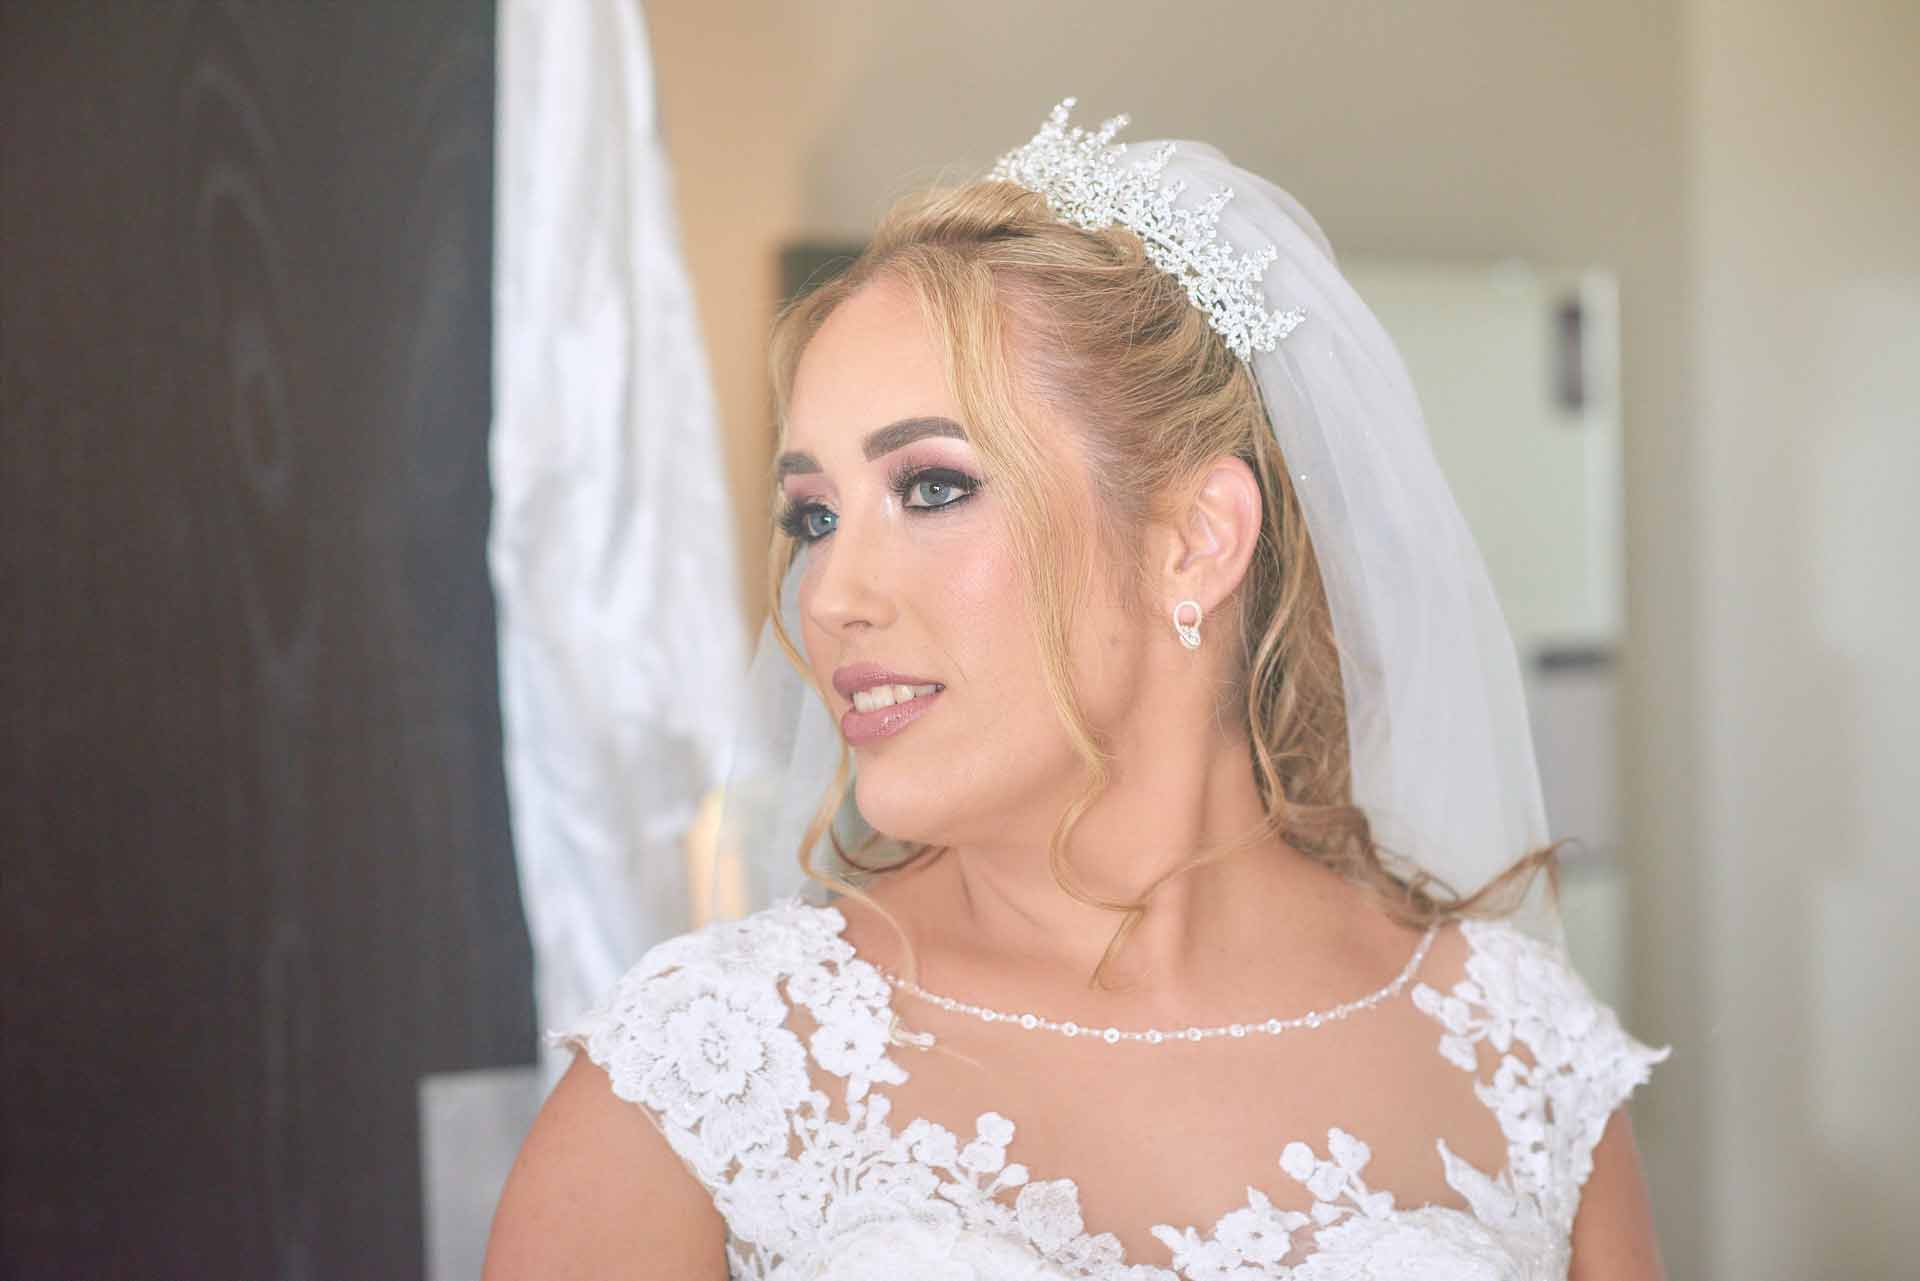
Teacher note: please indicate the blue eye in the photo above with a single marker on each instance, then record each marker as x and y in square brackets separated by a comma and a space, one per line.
[808, 522]
[942, 487]
[937, 488]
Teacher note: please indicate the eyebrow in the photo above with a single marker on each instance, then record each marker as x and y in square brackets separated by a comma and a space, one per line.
[878, 443]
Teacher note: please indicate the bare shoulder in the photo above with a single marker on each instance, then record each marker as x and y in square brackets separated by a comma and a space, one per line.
[597, 1192]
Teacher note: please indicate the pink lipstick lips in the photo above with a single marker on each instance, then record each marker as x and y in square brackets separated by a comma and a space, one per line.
[885, 702]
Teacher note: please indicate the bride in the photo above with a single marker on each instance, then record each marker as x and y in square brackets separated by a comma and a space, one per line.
[1195, 931]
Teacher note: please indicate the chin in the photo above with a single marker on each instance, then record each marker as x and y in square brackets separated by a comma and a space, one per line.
[903, 804]
[947, 799]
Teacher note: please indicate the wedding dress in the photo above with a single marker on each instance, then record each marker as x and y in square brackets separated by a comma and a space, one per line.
[1442, 1133]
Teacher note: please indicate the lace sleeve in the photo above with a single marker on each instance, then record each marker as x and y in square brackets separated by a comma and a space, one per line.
[1562, 1062]
[1608, 1065]
[701, 1047]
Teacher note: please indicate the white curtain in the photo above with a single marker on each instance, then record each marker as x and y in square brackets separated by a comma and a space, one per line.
[622, 643]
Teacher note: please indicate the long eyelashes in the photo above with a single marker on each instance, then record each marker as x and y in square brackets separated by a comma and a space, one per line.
[943, 488]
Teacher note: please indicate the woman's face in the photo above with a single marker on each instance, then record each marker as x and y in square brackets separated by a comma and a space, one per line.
[910, 580]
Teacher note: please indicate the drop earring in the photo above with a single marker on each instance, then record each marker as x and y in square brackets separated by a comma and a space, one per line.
[1189, 632]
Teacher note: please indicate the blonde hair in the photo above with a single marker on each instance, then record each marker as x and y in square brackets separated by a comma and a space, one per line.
[1035, 315]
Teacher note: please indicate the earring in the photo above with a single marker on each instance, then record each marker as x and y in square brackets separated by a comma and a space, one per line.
[1189, 632]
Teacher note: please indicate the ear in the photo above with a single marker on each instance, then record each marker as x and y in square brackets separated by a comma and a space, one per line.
[1212, 534]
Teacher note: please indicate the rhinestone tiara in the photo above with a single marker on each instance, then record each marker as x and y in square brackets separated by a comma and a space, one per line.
[1085, 183]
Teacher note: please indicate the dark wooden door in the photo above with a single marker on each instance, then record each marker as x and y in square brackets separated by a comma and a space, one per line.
[257, 877]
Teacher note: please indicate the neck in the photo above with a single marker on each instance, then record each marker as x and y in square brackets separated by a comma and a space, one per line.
[1004, 901]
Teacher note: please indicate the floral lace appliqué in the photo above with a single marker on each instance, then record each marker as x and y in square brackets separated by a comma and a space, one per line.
[699, 1035]
[1563, 1063]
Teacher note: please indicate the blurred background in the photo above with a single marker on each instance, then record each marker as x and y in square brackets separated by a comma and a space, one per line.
[384, 436]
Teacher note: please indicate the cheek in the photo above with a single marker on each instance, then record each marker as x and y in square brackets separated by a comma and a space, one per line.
[818, 645]
[980, 584]
[976, 607]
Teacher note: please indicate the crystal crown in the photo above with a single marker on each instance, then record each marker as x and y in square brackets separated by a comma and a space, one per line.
[1085, 183]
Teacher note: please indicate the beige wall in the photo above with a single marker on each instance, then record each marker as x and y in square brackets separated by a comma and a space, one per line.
[1743, 177]
[1804, 191]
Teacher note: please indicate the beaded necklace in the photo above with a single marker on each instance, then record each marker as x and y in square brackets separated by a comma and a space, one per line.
[1158, 1036]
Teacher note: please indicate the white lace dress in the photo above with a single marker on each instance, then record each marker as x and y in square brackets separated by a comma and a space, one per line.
[788, 1122]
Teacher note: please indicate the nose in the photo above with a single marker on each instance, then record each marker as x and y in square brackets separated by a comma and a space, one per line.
[850, 579]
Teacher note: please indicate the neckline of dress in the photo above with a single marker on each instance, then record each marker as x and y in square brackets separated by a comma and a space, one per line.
[1501, 1228]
